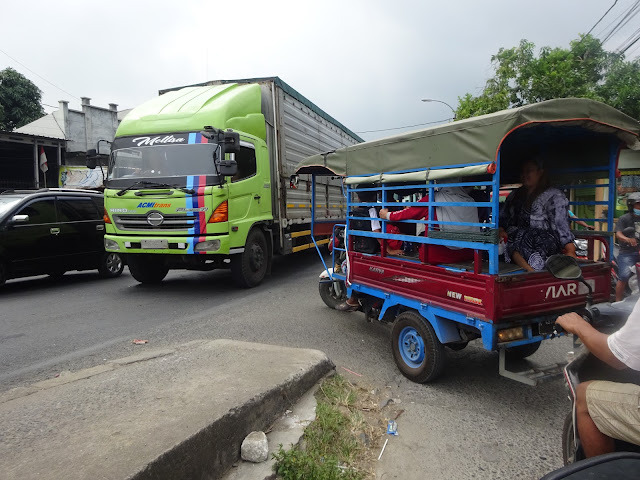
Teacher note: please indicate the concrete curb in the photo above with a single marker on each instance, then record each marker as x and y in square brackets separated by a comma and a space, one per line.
[172, 414]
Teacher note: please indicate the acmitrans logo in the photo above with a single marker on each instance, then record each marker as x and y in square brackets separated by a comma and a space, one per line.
[153, 205]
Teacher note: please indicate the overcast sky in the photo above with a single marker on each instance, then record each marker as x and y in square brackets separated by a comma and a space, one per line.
[366, 63]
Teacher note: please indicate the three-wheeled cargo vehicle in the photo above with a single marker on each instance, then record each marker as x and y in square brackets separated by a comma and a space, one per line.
[432, 304]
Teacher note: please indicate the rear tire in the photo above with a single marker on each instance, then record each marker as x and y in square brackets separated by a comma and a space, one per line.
[249, 268]
[146, 269]
[416, 349]
[111, 265]
[329, 295]
[522, 351]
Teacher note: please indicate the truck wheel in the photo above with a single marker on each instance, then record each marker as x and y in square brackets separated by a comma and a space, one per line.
[250, 267]
[330, 296]
[568, 443]
[522, 351]
[416, 349]
[111, 265]
[146, 269]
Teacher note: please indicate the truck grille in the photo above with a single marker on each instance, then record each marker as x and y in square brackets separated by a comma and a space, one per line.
[139, 222]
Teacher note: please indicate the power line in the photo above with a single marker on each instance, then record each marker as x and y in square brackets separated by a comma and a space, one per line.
[632, 12]
[407, 126]
[24, 66]
[605, 14]
[613, 21]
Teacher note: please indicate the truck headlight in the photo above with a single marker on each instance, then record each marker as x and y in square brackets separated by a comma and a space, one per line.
[208, 246]
[510, 334]
[111, 244]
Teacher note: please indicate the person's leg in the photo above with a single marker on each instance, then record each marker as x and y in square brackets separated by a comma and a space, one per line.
[594, 442]
[626, 261]
[621, 287]
[521, 262]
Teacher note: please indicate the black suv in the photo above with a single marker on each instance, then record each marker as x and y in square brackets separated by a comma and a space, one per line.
[51, 231]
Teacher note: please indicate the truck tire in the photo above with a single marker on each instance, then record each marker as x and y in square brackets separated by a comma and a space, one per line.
[568, 444]
[146, 269]
[111, 265]
[522, 351]
[249, 268]
[417, 351]
[328, 293]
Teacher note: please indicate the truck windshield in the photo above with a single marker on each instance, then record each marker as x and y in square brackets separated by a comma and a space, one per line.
[162, 161]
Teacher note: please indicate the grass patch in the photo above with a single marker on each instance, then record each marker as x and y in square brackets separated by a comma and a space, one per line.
[337, 444]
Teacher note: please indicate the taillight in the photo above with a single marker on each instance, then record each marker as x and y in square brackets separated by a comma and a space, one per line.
[106, 217]
[220, 214]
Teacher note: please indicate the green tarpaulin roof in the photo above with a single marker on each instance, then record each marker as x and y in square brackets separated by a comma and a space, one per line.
[473, 140]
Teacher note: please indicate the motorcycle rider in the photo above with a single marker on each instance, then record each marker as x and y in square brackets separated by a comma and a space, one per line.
[607, 410]
[628, 255]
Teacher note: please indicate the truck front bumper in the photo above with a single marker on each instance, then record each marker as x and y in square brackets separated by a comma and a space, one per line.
[212, 244]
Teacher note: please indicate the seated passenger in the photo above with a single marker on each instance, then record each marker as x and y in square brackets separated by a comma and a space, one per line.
[535, 220]
[439, 253]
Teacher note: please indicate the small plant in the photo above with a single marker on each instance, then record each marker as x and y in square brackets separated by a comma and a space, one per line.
[331, 447]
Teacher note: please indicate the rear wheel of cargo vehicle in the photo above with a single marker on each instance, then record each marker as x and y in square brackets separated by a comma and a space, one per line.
[522, 351]
[329, 294]
[568, 441]
[416, 349]
[111, 265]
[147, 269]
[250, 267]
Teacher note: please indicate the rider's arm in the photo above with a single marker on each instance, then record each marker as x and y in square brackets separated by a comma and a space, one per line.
[624, 239]
[595, 341]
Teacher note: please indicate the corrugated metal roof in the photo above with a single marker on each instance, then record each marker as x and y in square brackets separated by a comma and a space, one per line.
[46, 126]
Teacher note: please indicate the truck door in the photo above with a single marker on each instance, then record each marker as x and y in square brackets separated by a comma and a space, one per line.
[249, 200]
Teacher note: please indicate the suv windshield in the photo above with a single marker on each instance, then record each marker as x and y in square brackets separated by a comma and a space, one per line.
[162, 161]
[7, 203]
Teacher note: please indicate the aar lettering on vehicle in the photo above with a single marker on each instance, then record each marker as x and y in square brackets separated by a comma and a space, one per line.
[153, 205]
[556, 291]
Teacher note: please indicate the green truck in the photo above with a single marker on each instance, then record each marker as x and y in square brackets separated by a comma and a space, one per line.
[175, 198]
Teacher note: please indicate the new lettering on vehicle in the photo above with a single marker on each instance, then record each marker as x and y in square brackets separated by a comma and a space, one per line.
[153, 205]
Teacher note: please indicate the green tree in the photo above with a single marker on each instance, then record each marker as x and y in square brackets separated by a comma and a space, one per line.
[584, 70]
[19, 100]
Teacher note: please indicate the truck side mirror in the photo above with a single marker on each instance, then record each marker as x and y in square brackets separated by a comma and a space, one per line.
[231, 141]
[228, 168]
[92, 156]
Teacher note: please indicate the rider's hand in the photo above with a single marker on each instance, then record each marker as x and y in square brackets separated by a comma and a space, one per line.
[633, 242]
[570, 322]
[384, 214]
[590, 227]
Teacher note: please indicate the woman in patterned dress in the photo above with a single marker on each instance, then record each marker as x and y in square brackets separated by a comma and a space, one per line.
[534, 221]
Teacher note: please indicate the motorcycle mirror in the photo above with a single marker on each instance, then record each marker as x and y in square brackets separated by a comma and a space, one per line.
[564, 267]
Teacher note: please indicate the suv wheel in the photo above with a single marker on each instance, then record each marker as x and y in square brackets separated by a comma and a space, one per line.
[111, 265]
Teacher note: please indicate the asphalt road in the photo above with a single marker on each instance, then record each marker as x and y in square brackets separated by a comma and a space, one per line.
[471, 423]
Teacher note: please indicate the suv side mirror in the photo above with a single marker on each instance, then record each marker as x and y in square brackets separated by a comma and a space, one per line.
[92, 156]
[19, 219]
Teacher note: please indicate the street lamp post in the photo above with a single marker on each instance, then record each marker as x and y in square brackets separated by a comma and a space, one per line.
[440, 101]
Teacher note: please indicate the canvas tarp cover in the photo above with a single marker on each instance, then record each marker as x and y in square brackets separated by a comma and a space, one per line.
[472, 140]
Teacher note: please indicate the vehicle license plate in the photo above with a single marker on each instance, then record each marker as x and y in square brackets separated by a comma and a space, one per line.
[155, 243]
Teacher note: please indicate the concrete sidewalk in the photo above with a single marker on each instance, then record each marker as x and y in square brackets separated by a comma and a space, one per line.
[172, 414]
